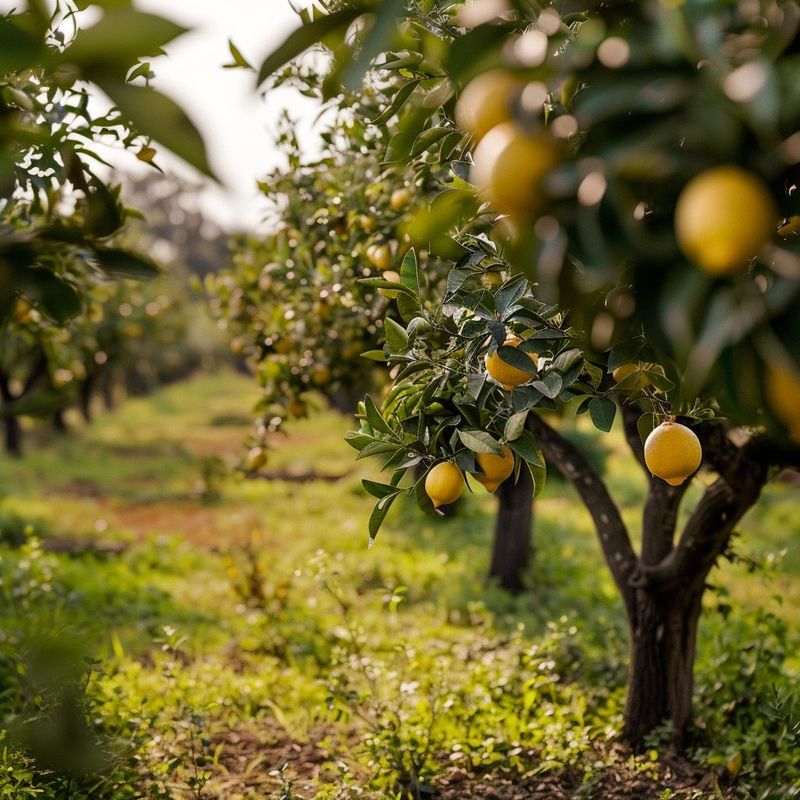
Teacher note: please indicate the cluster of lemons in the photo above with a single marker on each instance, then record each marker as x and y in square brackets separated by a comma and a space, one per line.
[724, 218]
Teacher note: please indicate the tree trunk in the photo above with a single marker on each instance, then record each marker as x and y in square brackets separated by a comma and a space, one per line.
[59, 421]
[660, 679]
[511, 550]
[85, 397]
[13, 436]
[12, 430]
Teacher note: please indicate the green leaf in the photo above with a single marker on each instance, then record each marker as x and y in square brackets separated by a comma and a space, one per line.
[409, 271]
[375, 418]
[382, 283]
[602, 411]
[122, 36]
[374, 355]
[377, 41]
[305, 36]
[396, 336]
[550, 385]
[18, 49]
[527, 447]
[480, 442]
[379, 490]
[515, 425]
[398, 101]
[539, 475]
[509, 293]
[517, 358]
[57, 297]
[428, 138]
[239, 61]
[378, 515]
[407, 305]
[646, 424]
[154, 114]
[124, 264]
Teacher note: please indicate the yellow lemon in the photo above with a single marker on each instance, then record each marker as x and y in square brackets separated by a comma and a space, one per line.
[380, 256]
[256, 458]
[400, 199]
[783, 396]
[297, 409]
[495, 468]
[672, 452]
[321, 375]
[444, 484]
[503, 372]
[734, 765]
[486, 102]
[723, 217]
[509, 166]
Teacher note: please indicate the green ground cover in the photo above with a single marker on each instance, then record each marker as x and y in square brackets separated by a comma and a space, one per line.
[173, 629]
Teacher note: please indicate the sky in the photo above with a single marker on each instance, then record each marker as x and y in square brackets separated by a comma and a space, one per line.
[234, 120]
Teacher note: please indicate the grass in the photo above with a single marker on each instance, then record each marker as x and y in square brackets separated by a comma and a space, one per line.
[246, 625]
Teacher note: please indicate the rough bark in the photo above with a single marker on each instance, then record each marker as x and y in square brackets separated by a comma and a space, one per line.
[512, 545]
[663, 588]
[611, 531]
[660, 676]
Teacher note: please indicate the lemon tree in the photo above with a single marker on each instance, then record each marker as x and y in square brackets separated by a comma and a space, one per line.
[636, 164]
[59, 219]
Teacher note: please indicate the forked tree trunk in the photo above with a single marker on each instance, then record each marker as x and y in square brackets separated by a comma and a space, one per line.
[512, 546]
[663, 640]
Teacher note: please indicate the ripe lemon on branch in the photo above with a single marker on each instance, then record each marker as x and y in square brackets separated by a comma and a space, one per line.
[510, 165]
[672, 452]
[506, 374]
[496, 469]
[723, 218]
[444, 484]
[486, 101]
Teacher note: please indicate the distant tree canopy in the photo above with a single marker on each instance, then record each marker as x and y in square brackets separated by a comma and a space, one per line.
[60, 220]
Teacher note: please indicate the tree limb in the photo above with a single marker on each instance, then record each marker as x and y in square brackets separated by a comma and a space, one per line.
[611, 531]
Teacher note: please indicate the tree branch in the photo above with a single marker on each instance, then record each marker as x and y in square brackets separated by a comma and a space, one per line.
[611, 531]
[709, 528]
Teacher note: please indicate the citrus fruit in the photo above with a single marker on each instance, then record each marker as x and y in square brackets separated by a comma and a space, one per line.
[444, 484]
[672, 452]
[486, 101]
[783, 396]
[723, 217]
[321, 375]
[400, 198]
[495, 468]
[380, 256]
[625, 370]
[298, 409]
[509, 166]
[504, 373]
[256, 458]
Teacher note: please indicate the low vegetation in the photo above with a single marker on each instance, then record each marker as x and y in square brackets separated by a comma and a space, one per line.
[223, 636]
